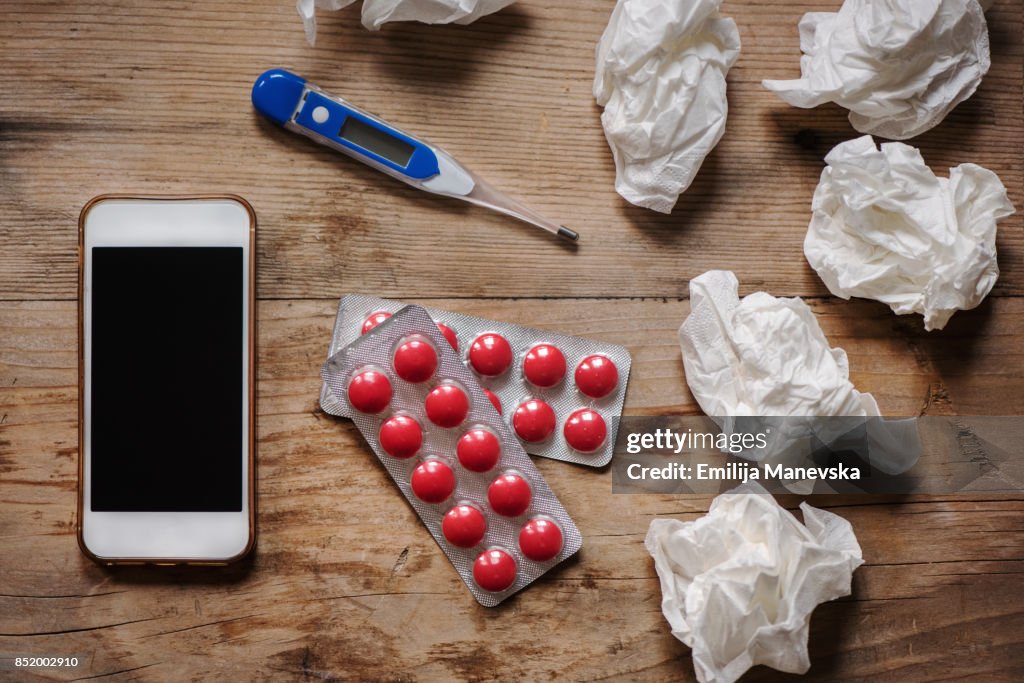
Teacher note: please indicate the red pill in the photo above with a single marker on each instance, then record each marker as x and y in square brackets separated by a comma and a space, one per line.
[490, 354]
[596, 376]
[400, 436]
[585, 430]
[534, 420]
[369, 391]
[415, 360]
[449, 334]
[495, 401]
[478, 450]
[494, 570]
[464, 526]
[544, 365]
[447, 405]
[433, 481]
[374, 320]
[540, 539]
[509, 495]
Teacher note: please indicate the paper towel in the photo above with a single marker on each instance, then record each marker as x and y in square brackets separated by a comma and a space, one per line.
[660, 76]
[739, 584]
[899, 67]
[885, 227]
[379, 12]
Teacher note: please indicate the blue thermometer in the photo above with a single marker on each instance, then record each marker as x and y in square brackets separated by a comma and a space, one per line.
[306, 109]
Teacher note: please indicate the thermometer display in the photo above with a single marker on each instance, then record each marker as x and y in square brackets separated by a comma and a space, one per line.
[377, 141]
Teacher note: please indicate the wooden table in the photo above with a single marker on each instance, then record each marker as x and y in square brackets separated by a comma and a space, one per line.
[153, 97]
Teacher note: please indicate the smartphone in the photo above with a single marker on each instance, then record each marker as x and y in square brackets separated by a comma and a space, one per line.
[166, 380]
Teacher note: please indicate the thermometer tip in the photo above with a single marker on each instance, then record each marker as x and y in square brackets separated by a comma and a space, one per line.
[568, 234]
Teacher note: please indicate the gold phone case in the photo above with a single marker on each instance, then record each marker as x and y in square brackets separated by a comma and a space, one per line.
[168, 561]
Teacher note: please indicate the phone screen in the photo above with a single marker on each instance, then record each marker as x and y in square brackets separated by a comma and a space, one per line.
[167, 373]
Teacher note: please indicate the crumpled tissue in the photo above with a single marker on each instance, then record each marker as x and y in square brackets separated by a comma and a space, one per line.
[899, 67]
[739, 584]
[379, 12]
[660, 76]
[885, 227]
[766, 357]
[762, 355]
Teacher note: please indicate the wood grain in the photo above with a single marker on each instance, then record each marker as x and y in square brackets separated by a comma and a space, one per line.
[154, 97]
[150, 97]
[346, 583]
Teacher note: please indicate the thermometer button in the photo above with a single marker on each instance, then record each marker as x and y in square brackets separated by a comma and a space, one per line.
[320, 114]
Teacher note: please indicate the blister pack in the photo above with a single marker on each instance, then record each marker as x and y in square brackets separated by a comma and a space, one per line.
[452, 456]
[561, 395]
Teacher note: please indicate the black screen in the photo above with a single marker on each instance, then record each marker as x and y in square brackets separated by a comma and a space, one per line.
[167, 373]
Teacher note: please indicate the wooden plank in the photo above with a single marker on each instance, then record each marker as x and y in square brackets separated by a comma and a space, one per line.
[148, 98]
[153, 98]
[345, 582]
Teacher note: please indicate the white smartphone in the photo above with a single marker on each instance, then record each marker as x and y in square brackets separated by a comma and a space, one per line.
[166, 380]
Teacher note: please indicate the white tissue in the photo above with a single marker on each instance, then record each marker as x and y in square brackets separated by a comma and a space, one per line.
[738, 585]
[767, 357]
[379, 12]
[762, 356]
[899, 67]
[660, 76]
[885, 227]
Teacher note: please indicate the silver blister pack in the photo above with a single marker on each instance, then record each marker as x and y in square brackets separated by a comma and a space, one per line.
[354, 378]
[565, 398]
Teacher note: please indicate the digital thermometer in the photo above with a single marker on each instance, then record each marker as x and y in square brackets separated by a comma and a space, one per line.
[306, 109]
